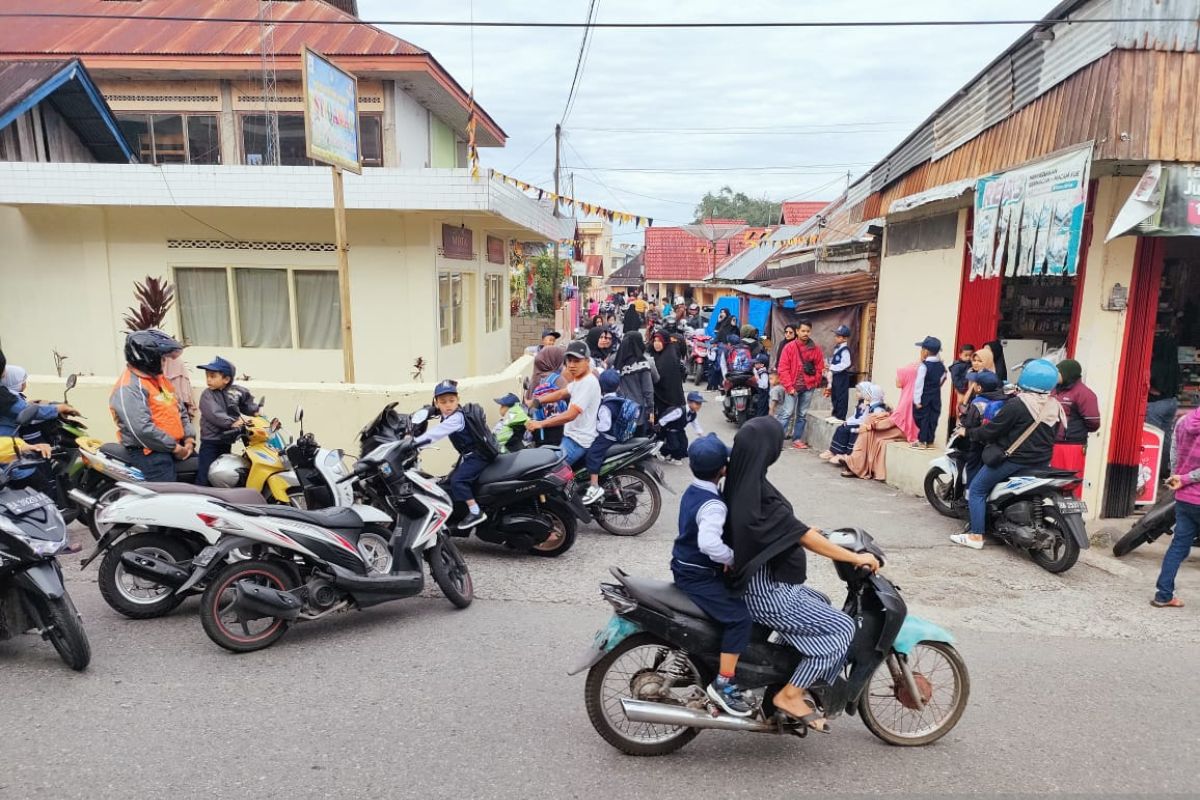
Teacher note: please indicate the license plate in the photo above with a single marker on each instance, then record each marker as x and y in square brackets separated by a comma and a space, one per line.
[27, 503]
[1072, 506]
[205, 556]
[740, 392]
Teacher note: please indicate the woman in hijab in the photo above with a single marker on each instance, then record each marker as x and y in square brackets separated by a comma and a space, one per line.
[1083, 417]
[868, 458]
[15, 379]
[548, 362]
[789, 336]
[906, 379]
[637, 376]
[996, 351]
[13, 402]
[599, 342]
[768, 545]
[724, 325]
[870, 401]
[668, 395]
[632, 319]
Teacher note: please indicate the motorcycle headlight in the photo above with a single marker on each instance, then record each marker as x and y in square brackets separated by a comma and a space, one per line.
[40, 547]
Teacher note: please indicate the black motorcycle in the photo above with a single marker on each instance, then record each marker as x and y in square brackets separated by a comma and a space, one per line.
[648, 668]
[1154, 523]
[32, 593]
[630, 478]
[529, 496]
[65, 465]
[739, 398]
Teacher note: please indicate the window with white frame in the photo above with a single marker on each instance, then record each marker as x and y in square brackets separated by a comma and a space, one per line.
[260, 307]
[450, 307]
[494, 302]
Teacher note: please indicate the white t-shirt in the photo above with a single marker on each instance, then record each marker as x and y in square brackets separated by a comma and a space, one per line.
[585, 393]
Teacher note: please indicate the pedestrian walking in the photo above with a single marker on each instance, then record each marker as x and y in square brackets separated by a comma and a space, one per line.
[1185, 481]
[801, 371]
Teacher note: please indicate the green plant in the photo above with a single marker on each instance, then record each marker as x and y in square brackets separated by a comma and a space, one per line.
[154, 297]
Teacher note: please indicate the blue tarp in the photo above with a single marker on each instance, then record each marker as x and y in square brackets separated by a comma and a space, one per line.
[760, 314]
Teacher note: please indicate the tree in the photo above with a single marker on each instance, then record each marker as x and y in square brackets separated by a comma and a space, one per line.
[727, 204]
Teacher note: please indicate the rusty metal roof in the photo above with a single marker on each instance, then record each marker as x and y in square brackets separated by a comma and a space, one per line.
[821, 292]
[150, 36]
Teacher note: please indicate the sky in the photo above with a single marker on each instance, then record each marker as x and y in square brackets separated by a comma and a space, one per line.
[662, 116]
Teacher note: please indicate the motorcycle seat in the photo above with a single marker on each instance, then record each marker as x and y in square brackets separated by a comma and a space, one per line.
[660, 594]
[621, 448]
[512, 466]
[115, 450]
[243, 496]
[1047, 472]
[344, 519]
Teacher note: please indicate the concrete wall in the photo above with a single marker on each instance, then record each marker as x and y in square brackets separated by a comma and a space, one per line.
[918, 297]
[412, 130]
[442, 152]
[334, 413]
[525, 331]
[93, 255]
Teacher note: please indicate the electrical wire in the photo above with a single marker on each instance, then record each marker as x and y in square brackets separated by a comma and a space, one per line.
[583, 50]
[531, 153]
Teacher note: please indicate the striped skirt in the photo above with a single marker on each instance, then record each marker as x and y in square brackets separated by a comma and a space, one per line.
[806, 621]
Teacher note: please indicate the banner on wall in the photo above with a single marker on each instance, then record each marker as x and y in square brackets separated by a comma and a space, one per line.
[1165, 202]
[1029, 220]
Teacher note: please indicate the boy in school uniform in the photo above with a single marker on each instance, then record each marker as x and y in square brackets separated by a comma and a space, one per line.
[958, 380]
[927, 391]
[840, 372]
[762, 384]
[699, 560]
[222, 405]
[512, 416]
[610, 404]
[476, 445]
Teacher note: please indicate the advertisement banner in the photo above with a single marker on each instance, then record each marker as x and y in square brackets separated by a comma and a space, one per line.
[1149, 466]
[1029, 220]
[330, 113]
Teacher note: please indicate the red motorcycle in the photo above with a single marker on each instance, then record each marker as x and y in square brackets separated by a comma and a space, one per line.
[698, 356]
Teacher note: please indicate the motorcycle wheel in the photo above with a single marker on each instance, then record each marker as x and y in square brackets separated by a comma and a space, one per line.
[561, 540]
[1133, 540]
[140, 598]
[889, 712]
[64, 630]
[618, 513]
[1064, 551]
[628, 671]
[375, 546]
[221, 621]
[938, 485]
[108, 494]
[450, 573]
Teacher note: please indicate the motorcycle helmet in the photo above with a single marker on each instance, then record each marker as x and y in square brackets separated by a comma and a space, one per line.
[1038, 376]
[144, 350]
[694, 307]
[749, 332]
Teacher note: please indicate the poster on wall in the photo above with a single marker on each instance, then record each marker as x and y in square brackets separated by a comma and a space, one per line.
[1029, 220]
[1149, 463]
[330, 113]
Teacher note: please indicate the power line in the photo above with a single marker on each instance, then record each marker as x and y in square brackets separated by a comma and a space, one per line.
[750, 128]
[791, 169]
[856, 23]
[737, 132]
[583, 49]
[531, 153]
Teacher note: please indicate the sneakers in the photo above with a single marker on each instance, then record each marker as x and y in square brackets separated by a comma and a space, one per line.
[729, 696]
[471, 520]
[799, 445]
[966, 541]
[594, 494]
[825, 456]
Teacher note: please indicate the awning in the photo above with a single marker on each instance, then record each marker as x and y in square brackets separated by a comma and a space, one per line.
[947, 191]
[820, 292]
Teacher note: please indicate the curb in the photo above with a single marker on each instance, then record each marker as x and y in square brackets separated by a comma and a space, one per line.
[1108, 564]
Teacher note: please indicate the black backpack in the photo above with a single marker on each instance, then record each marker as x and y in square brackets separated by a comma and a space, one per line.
[485, 441]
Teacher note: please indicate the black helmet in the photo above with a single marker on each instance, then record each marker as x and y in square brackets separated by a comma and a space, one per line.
[144, 350]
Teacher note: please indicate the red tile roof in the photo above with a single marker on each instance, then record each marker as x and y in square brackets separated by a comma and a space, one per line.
[795, 213]
[673, 254]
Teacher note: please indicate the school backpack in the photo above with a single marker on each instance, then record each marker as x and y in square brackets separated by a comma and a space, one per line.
[485, 441]
[625, 417]
[740, 359]
[549, 384]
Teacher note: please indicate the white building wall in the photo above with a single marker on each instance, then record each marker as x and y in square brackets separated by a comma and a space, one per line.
[412, 130]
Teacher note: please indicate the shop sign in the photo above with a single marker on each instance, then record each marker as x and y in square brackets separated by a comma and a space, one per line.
[1149, 464]
[1029, 220]
[330, 112]
[495, 250]
[1166, 202]
[458, 242]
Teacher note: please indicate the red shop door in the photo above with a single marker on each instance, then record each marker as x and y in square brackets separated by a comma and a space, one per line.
[978, 302]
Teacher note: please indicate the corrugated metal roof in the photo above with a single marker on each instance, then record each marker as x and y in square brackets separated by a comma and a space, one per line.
[821, 292]
[1159, 34]
[796, 213]
[19, 78]
[741, 265]
[173, 37]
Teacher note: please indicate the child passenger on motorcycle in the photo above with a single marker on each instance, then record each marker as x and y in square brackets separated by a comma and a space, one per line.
[221, 408]
[699, 561]
[468, 441]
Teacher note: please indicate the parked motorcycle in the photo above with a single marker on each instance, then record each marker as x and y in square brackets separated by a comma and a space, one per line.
[260, 466]
[32, 593]
[630, 478]
[65, 465]
[738, 395]
[304, 565]
[1154, 523]
[698, 357]
[105, 465]
[648, 667]
[1033, 510]
[529, 496]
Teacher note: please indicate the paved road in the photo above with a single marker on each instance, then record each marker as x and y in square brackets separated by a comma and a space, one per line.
[1077, 686]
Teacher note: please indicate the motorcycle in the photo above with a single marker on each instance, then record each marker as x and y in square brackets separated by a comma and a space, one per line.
[260, 466]
[65, 464]
[304, 565]
[648, 667]
[32, 592]
[699, 356]
[105, 464]
[738, 395]
[630, 478]
[529, 496]
[1033, 510]
[1154, 523]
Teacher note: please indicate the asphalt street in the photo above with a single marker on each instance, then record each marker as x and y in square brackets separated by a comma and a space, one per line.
[1078, 686]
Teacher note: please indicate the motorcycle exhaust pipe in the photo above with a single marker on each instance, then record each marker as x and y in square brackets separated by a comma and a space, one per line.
[263, 601]
[165, 573]
[662, 714]
[82, 498]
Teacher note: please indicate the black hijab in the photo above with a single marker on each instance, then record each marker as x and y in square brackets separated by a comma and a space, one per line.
[784, 342]
[998, 359]
[668, 389]
[7, 398]
[633, 320]
[761, 527]
[631, 355]
[593, 342]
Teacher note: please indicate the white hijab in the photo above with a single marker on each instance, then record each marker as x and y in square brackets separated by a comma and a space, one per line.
[14, 376]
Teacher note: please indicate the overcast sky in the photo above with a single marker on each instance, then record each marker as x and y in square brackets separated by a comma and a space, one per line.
[810, 104]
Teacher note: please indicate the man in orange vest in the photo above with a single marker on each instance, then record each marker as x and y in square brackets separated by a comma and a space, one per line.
[152, 420]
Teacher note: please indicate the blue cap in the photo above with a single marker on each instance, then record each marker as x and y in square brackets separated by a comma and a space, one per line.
[508, 400]
[707, 455]
[445, 387]
[220, 365]
[610, 379]
[841, 330]
[987, 380]
[733, 338]
[931, 343]
[763, 358]
[695, 397]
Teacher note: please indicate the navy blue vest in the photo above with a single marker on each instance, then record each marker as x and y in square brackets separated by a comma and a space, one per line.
[687, 545]
[464, 440]
[931, 392]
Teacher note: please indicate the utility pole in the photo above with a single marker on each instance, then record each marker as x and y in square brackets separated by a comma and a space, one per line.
[557, 263]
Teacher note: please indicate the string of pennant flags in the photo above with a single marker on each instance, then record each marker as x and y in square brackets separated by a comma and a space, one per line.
[763, 239]
[587, 209]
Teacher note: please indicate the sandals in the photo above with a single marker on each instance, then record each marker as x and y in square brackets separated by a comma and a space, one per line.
[810, 719]
[1174, 602]
[848, 474]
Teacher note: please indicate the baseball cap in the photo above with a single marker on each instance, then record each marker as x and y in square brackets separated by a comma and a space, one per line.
[549, 332]
[577, 349]
[445, 387]
[987, 380]
[707, 455]
[695, 397]
[842, 330]
[610, 379]
[509, 399]
[220, 365]
[931, 343]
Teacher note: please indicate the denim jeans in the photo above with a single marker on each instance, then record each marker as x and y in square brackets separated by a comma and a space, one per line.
[1187, 525]
[803, 401]
[1161, 414]
[573, 450]
[155, 467]
[785, 412]
[981, 486]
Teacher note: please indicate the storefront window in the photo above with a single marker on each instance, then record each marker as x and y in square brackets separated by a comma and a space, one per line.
[1176, 360]
[173, 138]
[291, 140]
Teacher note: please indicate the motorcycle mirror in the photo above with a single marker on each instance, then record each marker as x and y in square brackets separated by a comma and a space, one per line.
[262, 401]
[419, 416]
[299, 414]
[276, 424]
[72, 379]
[27, 414]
